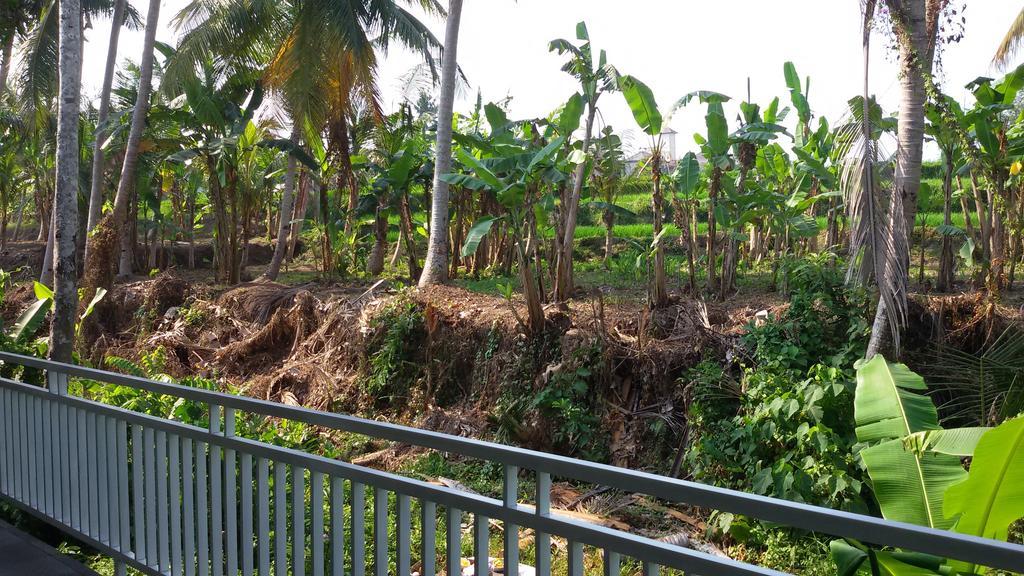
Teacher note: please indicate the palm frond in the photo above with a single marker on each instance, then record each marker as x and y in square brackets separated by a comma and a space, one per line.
[1011, 42]
[982, 388]
[878, 239]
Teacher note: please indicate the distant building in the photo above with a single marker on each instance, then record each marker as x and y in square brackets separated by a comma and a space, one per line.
[668, 154]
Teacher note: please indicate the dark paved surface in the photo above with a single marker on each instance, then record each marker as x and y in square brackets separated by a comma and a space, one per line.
[23, 555]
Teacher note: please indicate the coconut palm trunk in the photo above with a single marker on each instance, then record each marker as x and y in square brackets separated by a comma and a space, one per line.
[116, 222]
[917, 50]
[5, 62]
[284, 230]
[65, 206]
[435, 268]
[96, 190]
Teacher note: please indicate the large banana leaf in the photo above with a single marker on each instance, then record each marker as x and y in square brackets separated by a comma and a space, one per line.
[886, 406]
[641, 102]
[992, 497]
[909, 485]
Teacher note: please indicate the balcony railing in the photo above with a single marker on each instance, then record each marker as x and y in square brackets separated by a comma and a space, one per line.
[166, 497]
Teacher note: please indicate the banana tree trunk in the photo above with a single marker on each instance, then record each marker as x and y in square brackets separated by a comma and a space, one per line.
[563, 273]
[65, 206]
[945, 280]
[435, 268]
[96, 188]
[375, 264]
[659, 293]
[713, 189]
[284, 229]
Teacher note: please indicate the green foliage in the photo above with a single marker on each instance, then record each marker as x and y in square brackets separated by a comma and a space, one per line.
[398, 329]
[909, 486]
[917, 476]
[569, 403]
[782, 425]
[826, 322]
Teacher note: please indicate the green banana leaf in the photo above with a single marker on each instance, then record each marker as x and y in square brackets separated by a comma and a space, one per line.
[476, 235]
[959, 442]
[992, 496]
[886, 406]
[641, 102]
[909, 486]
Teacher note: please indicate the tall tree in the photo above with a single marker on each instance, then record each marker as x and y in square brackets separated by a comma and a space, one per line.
[115, 229]
[65, 206]
[284, 230]
[915, 24]
[96, 189]
[435, 268]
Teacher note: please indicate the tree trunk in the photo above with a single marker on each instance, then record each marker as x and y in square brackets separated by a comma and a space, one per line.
[435, 268]
[375, 264]
[410, 244]
[916, 55]
[117, 221]
[96, 190]
[659, 292]
[609, 236]
[5, 62]
[563, 273]
[65, 207]
[299, 216]
[945, 280]
[713, 189]
[284, 230]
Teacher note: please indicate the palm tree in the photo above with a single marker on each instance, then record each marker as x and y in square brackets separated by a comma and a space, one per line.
[316, 60]
[100, 245]
[435, 268]
[1008, 47]
[96, 190]
[65, 204]
[284, 229]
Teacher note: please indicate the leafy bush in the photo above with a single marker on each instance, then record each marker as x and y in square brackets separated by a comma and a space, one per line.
[782, 426]
[826, 322]
[568, 403]
[398, 329]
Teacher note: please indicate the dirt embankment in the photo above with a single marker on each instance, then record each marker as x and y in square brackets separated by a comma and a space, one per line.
[445, 357]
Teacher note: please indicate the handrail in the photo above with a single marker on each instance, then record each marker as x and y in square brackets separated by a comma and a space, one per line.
[838, 523]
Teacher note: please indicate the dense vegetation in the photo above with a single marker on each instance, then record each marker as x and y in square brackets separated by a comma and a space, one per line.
[263, 126]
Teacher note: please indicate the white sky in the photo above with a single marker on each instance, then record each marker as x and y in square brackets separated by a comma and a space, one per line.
[675, 46]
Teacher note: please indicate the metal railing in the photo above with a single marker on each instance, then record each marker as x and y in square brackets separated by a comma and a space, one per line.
[169, 498]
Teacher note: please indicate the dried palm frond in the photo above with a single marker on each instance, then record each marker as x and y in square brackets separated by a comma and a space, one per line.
[878, 239]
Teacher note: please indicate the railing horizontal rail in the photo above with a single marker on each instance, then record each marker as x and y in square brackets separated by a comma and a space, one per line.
[866, 528]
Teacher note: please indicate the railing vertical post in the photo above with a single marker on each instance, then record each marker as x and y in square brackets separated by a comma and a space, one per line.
[543, 541]
[120, 568]
[230, 495]
[453, 550]
[216, 510]
[358, 529]
[428, 532]
[612, 563]
[403, 529]
[510, 498]
[380, 531]
[337, 527]
[316, 508]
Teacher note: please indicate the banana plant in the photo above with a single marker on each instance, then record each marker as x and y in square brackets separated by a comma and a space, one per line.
[646, 114]
[517, 172]
[596, 78]
[716, 147]
[999, 147]
[917, 476]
